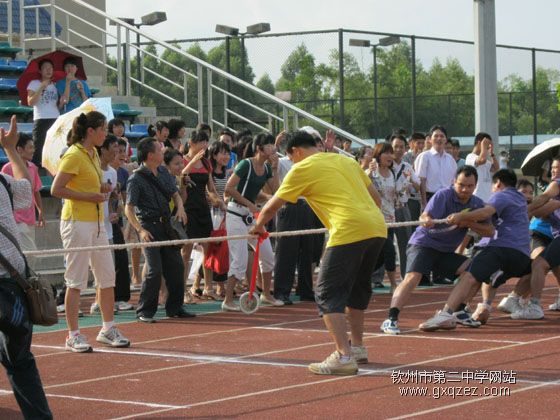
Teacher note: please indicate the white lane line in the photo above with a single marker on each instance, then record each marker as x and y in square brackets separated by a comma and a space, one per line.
[370, 372]
[104, 400]
[476, 400]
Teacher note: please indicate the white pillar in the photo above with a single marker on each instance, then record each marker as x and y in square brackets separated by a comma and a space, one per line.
[485, 72]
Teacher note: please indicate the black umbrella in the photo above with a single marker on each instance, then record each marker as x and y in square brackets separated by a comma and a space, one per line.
[533, 163]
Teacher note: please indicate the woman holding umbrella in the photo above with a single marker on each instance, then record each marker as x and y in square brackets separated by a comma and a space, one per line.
[43, 97]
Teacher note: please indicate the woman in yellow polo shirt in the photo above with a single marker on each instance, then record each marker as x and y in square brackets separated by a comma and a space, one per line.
[78, 182]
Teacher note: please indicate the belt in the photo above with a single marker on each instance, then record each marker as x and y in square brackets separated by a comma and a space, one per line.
[162, 219]
[247, 219]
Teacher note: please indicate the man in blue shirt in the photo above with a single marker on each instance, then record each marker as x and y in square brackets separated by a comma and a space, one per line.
[432, 248]
[504, 255]
[72, 91]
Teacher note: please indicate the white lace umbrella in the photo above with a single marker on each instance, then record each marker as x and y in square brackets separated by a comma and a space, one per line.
[55, 142]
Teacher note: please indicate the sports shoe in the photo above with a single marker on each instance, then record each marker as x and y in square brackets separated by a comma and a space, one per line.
[464, 318]
[94, 309]
[482, 313]
[123, 306]
[113, 337]
[333, 366]
[78, 344]
[232, 307]
[359, 354]
[441, 321]
[509, 304]
[61, 308]
[530, 311]
[270, 300]
[390, 327]
[555, 306]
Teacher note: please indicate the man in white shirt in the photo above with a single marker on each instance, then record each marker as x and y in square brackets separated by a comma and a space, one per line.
[485, 162]
[435, 168]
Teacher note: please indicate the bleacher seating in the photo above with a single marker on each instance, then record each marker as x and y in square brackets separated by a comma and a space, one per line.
[9, 107]
[12, 66]
[26, 128]
[3, 157]
[137, 131]
[8, 85]
[47, 181]
[125, 112]
[6, 50]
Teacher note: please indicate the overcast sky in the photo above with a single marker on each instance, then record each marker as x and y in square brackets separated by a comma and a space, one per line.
[518, 22]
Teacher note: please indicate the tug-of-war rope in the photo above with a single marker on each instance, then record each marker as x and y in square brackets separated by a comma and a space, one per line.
[247, 301]
[180, 242]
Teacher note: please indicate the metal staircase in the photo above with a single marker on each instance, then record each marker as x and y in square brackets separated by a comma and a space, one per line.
[211, 94]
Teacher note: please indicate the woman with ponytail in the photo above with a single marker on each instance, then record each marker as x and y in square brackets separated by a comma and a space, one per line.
[78, 182]
[249, 177]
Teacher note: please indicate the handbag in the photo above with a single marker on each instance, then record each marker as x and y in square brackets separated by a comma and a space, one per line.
[39, 295]
[217, 257]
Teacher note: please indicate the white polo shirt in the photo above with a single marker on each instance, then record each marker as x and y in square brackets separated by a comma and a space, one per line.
[438, 168]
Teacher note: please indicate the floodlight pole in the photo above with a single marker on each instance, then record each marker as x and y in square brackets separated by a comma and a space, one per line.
[485, 73]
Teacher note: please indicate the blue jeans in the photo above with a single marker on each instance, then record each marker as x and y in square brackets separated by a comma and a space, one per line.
[17, 359]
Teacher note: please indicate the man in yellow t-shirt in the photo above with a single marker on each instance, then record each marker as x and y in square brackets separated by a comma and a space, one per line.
[344, 199]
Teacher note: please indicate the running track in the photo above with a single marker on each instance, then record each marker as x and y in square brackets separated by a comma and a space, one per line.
[255, 366]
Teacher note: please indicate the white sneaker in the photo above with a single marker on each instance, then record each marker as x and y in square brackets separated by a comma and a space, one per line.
[78, 344]
[359, 354]
[390, 327]
[94, 309]
[113, 337]
[231, 307]
[555, 306]
[61, 308]
[531, 311]
[333, 366]
[509, 304]
[482, 313]
[123, 306]
[464, 318]
[270, 300]
[441, 321]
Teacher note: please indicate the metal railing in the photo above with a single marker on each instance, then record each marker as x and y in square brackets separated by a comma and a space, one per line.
[197, 90]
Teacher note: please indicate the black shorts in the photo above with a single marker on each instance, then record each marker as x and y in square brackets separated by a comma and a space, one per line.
[552, 253]
[539, 240]
[495, 265]
[344, 279]
[421, 259]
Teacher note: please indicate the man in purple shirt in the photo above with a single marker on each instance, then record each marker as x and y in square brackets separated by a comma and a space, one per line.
[549, 259]
[504, 255]
[432, 248]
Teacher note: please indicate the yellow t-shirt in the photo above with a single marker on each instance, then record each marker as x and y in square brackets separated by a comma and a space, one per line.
[336, 189]
[87, 178]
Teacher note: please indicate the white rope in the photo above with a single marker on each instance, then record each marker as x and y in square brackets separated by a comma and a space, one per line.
[181, 242]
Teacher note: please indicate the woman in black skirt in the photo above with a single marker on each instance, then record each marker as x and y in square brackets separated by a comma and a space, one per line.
[199, 223]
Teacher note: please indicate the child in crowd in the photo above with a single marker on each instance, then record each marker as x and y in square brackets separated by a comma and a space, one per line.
[25, 218]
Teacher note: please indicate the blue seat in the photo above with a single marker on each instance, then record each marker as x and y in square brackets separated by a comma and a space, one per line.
[12, 65]
[3, 158]
[137, 131]
[8, 85]
[26, 128]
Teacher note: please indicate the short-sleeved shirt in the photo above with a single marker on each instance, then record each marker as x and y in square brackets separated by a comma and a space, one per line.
[75, 98]
[511, 221]
[484, 184]
[47, 106]
[27, 215]
[386, 186]
[404, 187]
[438, 169]
[250, 184]
[150, 202]
[86, 169]
[122, 178]
[335, 187]
[21, 191]
[443, 237]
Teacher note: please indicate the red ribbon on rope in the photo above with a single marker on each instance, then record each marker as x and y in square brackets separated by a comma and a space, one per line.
[254, 271]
